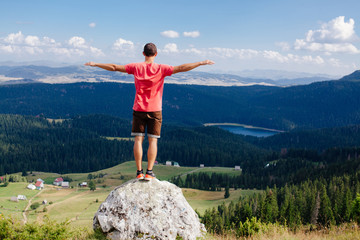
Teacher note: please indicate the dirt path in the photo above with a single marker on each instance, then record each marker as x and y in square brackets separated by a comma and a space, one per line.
[192, 171]
[29, 204]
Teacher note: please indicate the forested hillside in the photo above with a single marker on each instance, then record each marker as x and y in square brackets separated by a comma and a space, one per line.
[314, 139]
[80, 145]
[318, 105]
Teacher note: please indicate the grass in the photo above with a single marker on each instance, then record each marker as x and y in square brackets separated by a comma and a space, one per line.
[346, 231]
[78, 206]
[14, 209]
[202, 200]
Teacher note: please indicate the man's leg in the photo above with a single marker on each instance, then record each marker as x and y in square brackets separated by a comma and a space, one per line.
[138, 151]
[152, 152]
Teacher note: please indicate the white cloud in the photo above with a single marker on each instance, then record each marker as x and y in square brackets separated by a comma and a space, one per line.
[34, 46]
[170, 34]
[335, 36]
[14, 38]
[77, 42]
[170, 48]
[232, 53]
[337, 30]
[92, 25]
[193, 34]
[122, 44]
[32, 41]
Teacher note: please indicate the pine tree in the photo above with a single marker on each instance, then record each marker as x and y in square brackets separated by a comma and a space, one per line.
[326, 215]
[227, 192]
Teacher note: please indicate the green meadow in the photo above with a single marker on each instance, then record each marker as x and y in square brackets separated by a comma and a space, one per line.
[78, 205]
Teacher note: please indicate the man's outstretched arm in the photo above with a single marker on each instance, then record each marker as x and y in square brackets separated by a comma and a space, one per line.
[107, 66]
[190, 66]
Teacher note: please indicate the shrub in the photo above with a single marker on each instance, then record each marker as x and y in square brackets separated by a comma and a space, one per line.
[12, 229]
[249, 228]
[35, 205]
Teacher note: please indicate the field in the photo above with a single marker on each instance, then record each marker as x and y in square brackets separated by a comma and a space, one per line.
[78, 205]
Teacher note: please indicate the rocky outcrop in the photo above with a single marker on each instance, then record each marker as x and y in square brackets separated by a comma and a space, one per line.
[147, 210]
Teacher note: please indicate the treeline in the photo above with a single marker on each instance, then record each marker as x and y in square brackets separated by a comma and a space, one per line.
[293, 167]
[192, 146]
[318, 203]
[30, 143]
[315, 139]
[80, 145]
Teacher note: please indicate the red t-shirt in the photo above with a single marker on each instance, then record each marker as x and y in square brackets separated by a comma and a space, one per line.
[149, 84]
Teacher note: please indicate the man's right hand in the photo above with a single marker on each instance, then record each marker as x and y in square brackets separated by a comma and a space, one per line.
[92, 64]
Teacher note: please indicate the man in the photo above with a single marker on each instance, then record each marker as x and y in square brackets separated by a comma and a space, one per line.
[149, 85]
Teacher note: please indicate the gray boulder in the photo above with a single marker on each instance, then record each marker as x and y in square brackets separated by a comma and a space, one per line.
[148, 210]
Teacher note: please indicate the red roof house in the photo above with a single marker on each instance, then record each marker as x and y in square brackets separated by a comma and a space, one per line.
[39, 185]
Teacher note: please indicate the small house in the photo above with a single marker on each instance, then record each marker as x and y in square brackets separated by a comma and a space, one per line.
[31, 186]
[83, 184]
[65, 184]
[21, 197]
[14, 199]
[237, 168]
[58, 181]
[176, 164]
[39, 185]
[44, 202]
[202, 165]
[40, 180]
[168, 163]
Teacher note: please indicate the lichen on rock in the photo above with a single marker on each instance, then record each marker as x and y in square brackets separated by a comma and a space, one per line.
[148, 210]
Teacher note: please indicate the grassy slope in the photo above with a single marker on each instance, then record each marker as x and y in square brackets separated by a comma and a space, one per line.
[79, 204]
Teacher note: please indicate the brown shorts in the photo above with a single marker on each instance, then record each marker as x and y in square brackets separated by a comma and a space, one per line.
[150, 120]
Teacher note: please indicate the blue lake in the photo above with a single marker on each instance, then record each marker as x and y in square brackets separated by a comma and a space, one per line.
[256, 132]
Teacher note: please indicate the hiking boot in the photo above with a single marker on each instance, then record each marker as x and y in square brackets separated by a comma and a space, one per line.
[140, 174]
[149, 175]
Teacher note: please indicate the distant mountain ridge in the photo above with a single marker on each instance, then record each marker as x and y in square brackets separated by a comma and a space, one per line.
[355, 76]
[73, 74]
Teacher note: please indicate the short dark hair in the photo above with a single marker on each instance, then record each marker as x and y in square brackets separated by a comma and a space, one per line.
[150, 49]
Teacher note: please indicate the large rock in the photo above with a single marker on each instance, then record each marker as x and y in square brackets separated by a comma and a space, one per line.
[147, 210]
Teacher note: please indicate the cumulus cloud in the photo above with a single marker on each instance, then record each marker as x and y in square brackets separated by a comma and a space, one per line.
[122, 44]
[193, 34]
[92, 25]
[77, 42]
[14, 38]
[170, 34]
[245, 54]
[30, 45]
[170, 48]
[335, 36]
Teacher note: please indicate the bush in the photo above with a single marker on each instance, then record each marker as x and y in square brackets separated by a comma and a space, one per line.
[12, 229]
[249, 228]
[35, 205]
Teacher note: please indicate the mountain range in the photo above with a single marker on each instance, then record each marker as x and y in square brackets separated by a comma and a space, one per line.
[73, 74]
[324, 104]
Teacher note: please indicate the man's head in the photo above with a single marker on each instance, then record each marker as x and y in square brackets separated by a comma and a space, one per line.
[150, 50]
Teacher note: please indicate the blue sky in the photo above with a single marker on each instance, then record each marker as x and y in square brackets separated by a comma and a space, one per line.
[315, 36]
